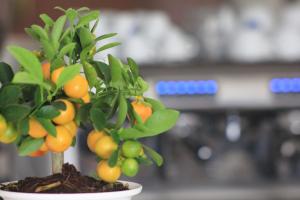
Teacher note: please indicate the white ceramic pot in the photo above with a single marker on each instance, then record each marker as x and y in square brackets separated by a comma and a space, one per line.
[134, 189]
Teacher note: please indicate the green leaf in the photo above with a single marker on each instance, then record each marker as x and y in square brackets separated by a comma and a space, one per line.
[137, 117]
[24, 126]
[59, 105]
[38, 96]
[106, 36]
[116, 71]
[57, 63]
[48, 49]
[16, 112]
[158, 159]
[122, 112]
[48, 125]
[143, 160]
[86, 37]
[88, 18]
[143, 84]
[71, 14]
[113, 160]
[115, 135]
[84, 112]
[132, 133]
[47, 20]
[162, 120]
[103, 70]
[10, 94]
[31, 33]
[40, 32]
[26, 78]
[30, 145]
[108, 46]
[67, 49]
[6, 73]
[98, 118]
[156, 105]
[28, 60]
[66, 32]
[47, 112]
[68, 74]
[133, 67]
[57, 30]
[91, 74]
[95, 25]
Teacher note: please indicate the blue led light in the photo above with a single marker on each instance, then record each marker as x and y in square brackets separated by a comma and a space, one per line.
[189, 87]
[285, 85]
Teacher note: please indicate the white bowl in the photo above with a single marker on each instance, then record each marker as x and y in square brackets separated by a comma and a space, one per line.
[134, 189]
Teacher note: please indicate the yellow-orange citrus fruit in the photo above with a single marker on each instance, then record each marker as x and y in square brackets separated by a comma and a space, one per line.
[56, 73]
[61, 142]
[72, 128]
[36, 130]
[3, 125]
[143, 110]
[46, 70]
[77, 87]
[86, 98]
[93, 138]
[10, 135]
[105, 146]
[67, 115]
[107, 173]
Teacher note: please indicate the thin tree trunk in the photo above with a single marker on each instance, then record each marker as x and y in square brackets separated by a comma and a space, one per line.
[57, 162]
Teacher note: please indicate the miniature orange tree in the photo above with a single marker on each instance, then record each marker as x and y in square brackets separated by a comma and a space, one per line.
[60, 87]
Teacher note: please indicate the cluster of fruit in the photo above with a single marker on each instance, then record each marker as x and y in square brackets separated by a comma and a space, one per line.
[103, 145]
[65, 125]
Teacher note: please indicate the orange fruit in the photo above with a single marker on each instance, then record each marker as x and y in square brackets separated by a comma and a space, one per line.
[107, 173]
[105, 146]
[77, 87]
[93, 138]
[66, 116]
[143, 110]
[3, 125]
[36, 130]
[72, 128]
[10, 135]
[56, 73]
[61, 142]
[86, 98]
[46, 70]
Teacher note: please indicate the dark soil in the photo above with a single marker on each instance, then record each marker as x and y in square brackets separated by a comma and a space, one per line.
[69, 181]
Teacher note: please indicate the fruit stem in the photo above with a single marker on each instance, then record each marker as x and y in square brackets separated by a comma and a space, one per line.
[57, 162]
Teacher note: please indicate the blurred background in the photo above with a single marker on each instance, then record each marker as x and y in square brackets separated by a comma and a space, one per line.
[232, 67]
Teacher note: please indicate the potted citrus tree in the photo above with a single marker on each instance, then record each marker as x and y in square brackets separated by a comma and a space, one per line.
[59, 88]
